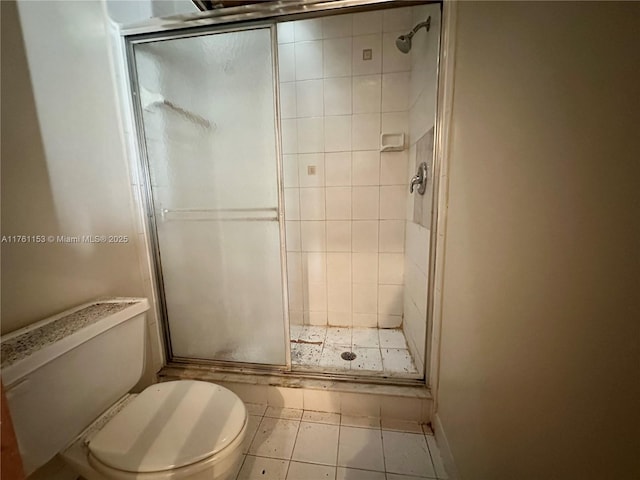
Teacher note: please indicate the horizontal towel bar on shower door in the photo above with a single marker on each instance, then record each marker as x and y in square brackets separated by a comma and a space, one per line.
[220, 214]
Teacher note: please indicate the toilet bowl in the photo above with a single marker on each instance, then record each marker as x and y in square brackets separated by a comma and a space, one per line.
[67, 380]
[175, 430]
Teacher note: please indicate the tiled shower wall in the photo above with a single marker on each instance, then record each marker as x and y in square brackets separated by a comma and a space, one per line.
[342, 83]
[422, 110]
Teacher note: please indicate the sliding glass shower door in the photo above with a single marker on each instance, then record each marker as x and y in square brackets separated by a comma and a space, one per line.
[209, 127]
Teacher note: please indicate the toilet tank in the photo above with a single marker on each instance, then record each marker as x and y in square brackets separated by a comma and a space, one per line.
[61, 373]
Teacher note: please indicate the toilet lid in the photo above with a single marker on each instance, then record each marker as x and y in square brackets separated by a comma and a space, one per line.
[170, 425]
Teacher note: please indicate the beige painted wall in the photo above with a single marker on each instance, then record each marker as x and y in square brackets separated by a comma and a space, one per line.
[539, 358]
[64, 170]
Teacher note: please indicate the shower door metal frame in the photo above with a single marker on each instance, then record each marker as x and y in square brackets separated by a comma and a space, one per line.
[261, 15]
[144, 171]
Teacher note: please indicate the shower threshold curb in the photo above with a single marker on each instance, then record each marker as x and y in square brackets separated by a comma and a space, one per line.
[392, 387]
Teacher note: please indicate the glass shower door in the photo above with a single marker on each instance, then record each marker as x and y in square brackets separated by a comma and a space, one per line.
[209, 124]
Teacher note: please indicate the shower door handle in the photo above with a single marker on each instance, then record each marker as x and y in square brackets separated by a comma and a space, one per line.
[419, 179]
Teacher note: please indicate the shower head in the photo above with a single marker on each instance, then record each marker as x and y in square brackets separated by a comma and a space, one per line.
[403, 42]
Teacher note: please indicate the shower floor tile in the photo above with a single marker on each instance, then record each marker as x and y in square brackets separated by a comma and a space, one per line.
[378, 351]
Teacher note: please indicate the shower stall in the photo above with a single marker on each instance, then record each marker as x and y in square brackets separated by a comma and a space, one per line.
[287, 151]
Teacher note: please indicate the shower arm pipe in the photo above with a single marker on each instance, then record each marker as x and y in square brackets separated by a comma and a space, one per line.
[426, 24]
[194, 117]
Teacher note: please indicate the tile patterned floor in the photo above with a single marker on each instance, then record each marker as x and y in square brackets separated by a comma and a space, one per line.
[288, 444]
[378, 351]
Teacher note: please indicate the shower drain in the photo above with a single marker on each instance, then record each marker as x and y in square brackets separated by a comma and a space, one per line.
[348, 356]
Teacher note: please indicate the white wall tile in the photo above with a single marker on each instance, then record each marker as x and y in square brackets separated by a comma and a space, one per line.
[294, 267]
[364, 268]
[367, 91]
[310, 98]
[418, 246]
[365, 320]
[355, 205]
[365, 235]
[365, 298]
[289, 136]
[290, 170]
[321, 400]
[393, 202]
[395, 19]
[423, 114]
[338, 202]
[389, 321]
[286, 63]
[393, 60]
[394, 168]
[312, 204]
[338, 236]
[365, 203]
[360, 66]
[315, 318]
[288, 100]
[305, 30]
[366, 131]
[283, 397]
[338, 57]
[313, 236]
[337, 133]
[395, 122]
[340, 319]
[285, 32]
[339, 268]
[395, 92]
[337, 26]
[366, 167]
[416, 285]
[292, 236]
[311, 170]
[337, 96]
[391, 268]
[310, 134]
[390, 299]
[292, 203]
[315, 299]
[392, 236]
[338, 169]
[339, 297]
[367, 22]
[314, 267]
[295, 296]
[404, 408]
[248, 393]
[308, 57]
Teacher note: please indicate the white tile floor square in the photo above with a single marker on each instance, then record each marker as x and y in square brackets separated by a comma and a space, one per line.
[335, 447]
[378, 351]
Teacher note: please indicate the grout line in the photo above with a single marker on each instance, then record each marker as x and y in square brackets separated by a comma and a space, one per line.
[384, 460]
[293, 449]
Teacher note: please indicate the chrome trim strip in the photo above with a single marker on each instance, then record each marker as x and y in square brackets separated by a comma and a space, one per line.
[435, 209]
[144, 173]
[209, 366]
[441, 147]
[280, 187]
[260, 11]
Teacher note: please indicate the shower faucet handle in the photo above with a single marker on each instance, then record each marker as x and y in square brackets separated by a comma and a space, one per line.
[419, 179]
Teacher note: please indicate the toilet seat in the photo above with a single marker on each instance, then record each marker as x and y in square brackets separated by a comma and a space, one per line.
[170, 426]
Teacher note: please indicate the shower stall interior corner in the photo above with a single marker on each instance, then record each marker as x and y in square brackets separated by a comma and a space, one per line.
[288, 163]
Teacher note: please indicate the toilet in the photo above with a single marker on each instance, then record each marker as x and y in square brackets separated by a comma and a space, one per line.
[67, 380]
